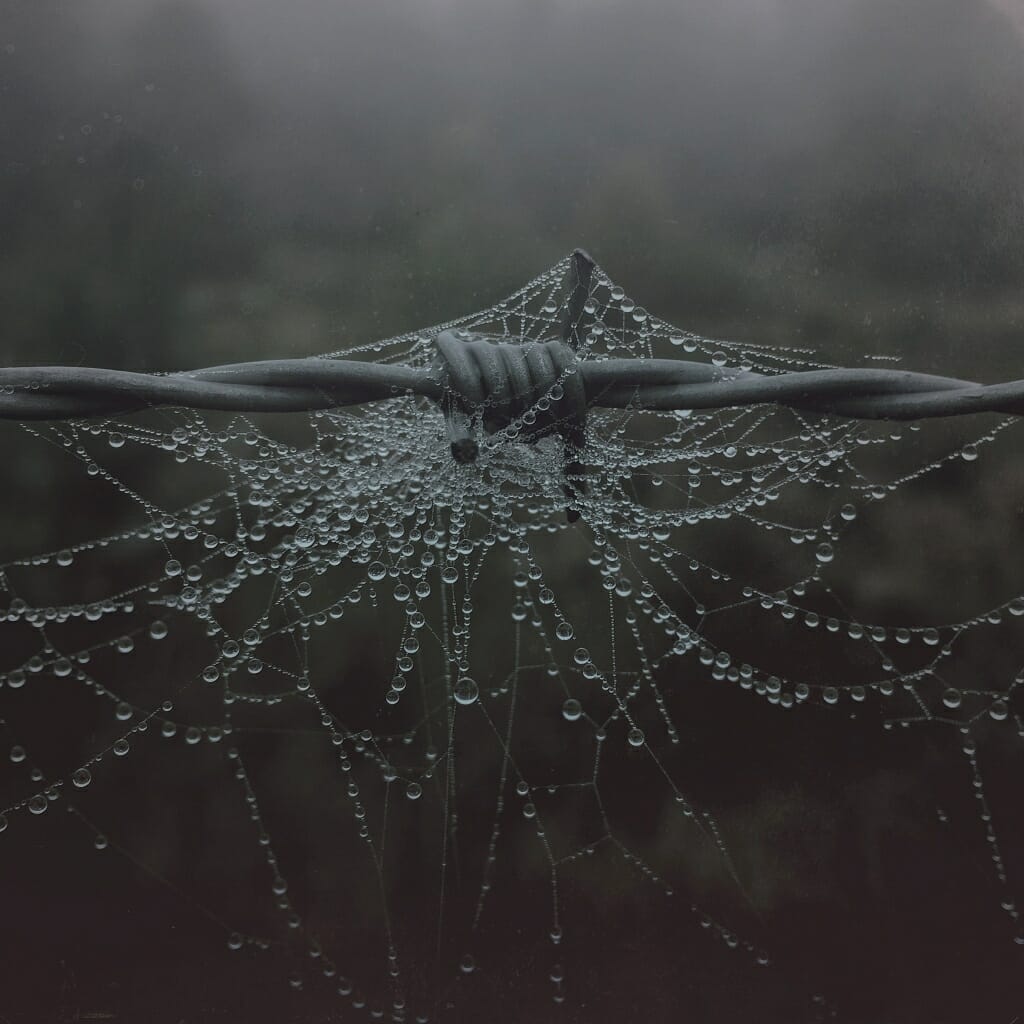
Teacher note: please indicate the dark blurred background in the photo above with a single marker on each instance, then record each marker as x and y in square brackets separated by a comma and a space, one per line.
[189, 183]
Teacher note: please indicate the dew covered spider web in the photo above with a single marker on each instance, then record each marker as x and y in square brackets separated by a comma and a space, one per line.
[384, 736]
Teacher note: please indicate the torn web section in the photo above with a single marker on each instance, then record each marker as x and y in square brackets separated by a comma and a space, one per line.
[422, 733]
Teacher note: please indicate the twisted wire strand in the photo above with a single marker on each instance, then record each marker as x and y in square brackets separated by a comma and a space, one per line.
[293, 385]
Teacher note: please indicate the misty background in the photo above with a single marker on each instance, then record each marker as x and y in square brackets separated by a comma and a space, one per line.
[190, 183]
[187, 182]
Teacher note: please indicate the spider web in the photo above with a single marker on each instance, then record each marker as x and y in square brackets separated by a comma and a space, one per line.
[396, 737]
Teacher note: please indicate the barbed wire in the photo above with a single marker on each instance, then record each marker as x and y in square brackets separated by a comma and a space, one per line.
[294, 385]
[496, 379]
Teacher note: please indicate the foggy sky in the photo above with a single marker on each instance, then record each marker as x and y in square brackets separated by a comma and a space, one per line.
[734, 155]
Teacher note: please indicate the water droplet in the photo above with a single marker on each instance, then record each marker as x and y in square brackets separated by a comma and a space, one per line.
[413, 791]
[466, 691]
[571, 710]
[636, 737]
[81, 778]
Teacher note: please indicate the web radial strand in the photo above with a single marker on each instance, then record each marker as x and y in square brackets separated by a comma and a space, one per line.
[408, 704]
